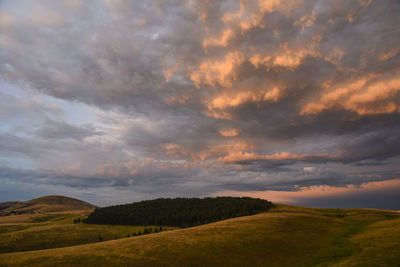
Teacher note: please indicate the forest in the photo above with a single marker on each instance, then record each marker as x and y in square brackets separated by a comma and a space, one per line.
[178, 212]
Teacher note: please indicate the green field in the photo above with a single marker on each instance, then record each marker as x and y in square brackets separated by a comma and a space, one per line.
[285, 236]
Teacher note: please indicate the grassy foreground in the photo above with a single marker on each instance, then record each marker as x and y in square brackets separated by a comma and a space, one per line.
[53, 230]
[285, 236]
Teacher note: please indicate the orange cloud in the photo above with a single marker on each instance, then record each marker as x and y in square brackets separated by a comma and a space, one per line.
[316, 191]
[223, 41]
[229, 132]
[217, 106]
[212, 151]
[233, 16]
[388, 55]
[292, 58]
[250, 15]
[286, 57]
[335, 57]
[269, 6]
[365, 96]
[273, 95]
[257, 60]
[227, 100]
[169, 72]
[249, 156]
[176, 99]
[222, 72]
[307, 20]
[219, 114]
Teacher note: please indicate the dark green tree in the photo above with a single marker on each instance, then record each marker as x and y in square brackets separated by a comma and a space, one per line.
[178, 212]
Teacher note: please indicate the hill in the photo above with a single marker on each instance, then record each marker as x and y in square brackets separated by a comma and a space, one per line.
[283, 236]
[53, 230]
[179, 212]
[46, 204]
[5, 205]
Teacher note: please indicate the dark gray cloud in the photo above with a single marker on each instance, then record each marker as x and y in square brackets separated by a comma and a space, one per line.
[199, 96]
[179, 181]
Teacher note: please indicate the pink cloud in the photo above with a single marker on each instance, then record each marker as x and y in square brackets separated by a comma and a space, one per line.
[316, 192]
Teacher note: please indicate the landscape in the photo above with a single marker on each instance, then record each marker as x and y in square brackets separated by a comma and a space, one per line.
[200, 133]
[283, 235]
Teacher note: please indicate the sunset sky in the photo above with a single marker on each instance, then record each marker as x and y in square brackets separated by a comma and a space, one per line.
[117, 101]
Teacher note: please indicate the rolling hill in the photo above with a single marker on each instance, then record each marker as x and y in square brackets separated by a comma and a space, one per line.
[44, 205]
[5, 205]
[283, 236]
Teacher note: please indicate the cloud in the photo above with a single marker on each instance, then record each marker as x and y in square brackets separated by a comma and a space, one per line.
[229, 132]
[15, 108]
[52, 129]
[367, 195]
[363, 96]
[199, 96]
[282, 156]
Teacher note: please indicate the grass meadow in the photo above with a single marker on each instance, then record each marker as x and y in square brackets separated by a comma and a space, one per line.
[43, 231]
[285, 236]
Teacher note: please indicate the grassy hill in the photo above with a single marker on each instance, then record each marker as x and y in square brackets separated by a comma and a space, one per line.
[43, 231]
[284, 236]
[46, 204]
[48, 222]
[5, 205]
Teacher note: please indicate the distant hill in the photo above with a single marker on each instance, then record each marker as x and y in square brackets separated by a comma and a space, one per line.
[179, 212]
[44, 205]
[5, 205]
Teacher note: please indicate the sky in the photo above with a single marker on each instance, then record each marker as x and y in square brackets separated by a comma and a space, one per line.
[112, 101]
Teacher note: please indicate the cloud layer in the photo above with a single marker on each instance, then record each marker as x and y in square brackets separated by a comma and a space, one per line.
[168, 98]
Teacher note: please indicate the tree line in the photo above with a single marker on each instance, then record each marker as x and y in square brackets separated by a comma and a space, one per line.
[178, 212]
[148, 231]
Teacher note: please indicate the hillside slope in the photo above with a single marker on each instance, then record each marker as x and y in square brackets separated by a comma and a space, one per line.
[5, 205]
[285, 236]
[54, 230]
[47, 204]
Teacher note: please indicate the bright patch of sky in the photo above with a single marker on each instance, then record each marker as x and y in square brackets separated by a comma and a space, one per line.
[16, 162]
[72, 112]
